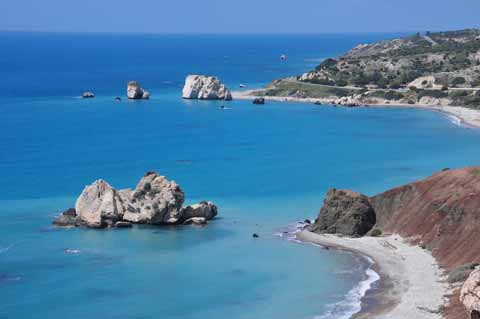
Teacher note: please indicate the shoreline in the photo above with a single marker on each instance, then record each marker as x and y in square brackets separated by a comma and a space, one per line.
[411, 282]
[464, 116]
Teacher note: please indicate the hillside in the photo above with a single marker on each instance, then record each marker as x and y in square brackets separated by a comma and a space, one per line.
[440, 213]
[441, 68]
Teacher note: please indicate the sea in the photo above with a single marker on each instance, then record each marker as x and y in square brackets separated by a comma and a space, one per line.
[266, 167]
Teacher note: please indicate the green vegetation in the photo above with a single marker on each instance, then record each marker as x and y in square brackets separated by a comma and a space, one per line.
[376, 232]
[394, 64]
[461, 273]
[286, 88]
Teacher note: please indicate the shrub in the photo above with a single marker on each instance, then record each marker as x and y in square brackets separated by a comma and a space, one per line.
[458, 80]
[376, 232]
[461, 273]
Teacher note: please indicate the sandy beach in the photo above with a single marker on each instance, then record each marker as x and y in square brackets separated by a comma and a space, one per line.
[463, 115]
[412, 283]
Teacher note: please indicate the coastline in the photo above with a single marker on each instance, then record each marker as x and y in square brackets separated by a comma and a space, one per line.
[462, 115]
[411, 283]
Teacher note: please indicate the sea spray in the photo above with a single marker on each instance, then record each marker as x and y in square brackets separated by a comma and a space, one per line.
[352, 301]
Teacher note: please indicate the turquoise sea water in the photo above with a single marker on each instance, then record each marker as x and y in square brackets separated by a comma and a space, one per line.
[266, 167]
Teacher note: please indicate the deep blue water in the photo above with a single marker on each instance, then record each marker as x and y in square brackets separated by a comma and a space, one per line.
[266, 167]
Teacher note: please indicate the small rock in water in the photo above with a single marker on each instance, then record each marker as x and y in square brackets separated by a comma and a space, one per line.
[259, 100]
[72, 251]
[88, 95]
[118, 98]
[255, 235]
[123, 224]
[307, 221]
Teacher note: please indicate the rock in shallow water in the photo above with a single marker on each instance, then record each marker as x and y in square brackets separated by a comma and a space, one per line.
[155, 201]
[136, 92]
[205, 88]
[346, 213]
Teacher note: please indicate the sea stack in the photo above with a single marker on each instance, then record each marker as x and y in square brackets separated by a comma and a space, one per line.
[203, 87]
[136, 92]
[154, 201]
[88, 95]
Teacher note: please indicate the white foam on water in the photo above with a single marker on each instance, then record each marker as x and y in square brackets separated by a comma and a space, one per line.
[352, 302]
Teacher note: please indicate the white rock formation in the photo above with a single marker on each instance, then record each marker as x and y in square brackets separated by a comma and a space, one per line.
[425, 82]
[155, 200]
[205, 88]
[99, 205]
[136, 92]
[470, 294]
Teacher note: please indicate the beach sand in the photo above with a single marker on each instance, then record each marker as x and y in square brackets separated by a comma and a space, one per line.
[412, 284]
[463, 115]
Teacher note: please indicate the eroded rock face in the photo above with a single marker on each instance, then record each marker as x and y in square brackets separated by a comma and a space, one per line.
[470, 295]
[346, 213]
[99, 205]
[136, 92]
[205, 88]
[204, 209]
[155, 201]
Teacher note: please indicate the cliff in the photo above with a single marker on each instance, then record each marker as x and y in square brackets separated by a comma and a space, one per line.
[440, 213]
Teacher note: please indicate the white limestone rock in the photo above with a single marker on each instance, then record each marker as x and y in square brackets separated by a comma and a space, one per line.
[136, 92]
[205, 88]
[99, 205]
[155, 200]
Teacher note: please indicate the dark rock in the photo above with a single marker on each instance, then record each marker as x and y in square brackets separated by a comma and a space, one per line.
[68, 218]
[196, 221]
[258, 100]
[122, 224]
[255, 235]
[88, 95]
[118, 98]
[307, 221]
[346, 213]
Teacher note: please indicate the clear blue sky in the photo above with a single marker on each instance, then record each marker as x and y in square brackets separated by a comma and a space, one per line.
[244, 16]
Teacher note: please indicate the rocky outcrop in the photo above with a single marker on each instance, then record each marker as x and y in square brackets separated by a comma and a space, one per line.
[259, 101]
[88, 95]
[346, 213]
[470, 295]
[136, 92]
[439, 213]
[205, 88]
[203, 209]
[99, 205]
[155, 201]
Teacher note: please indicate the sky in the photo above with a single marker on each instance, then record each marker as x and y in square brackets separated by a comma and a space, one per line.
[238, 16]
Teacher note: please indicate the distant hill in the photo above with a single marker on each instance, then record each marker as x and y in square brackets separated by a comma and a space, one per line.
[452, 58]
[438, 68]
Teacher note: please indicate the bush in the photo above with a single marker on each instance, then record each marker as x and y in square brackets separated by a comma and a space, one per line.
[458, 80]
[461, 273]
[376, 232]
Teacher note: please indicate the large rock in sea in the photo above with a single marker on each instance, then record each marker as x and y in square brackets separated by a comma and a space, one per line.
[155, 201]
[345, 213]
[205, 88]
[136, 92]
[99, 205]
[470, 295]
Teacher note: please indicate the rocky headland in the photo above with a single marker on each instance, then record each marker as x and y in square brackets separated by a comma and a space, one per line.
[439, 216]
[439, 70]
[154, 201]
[203, 87]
